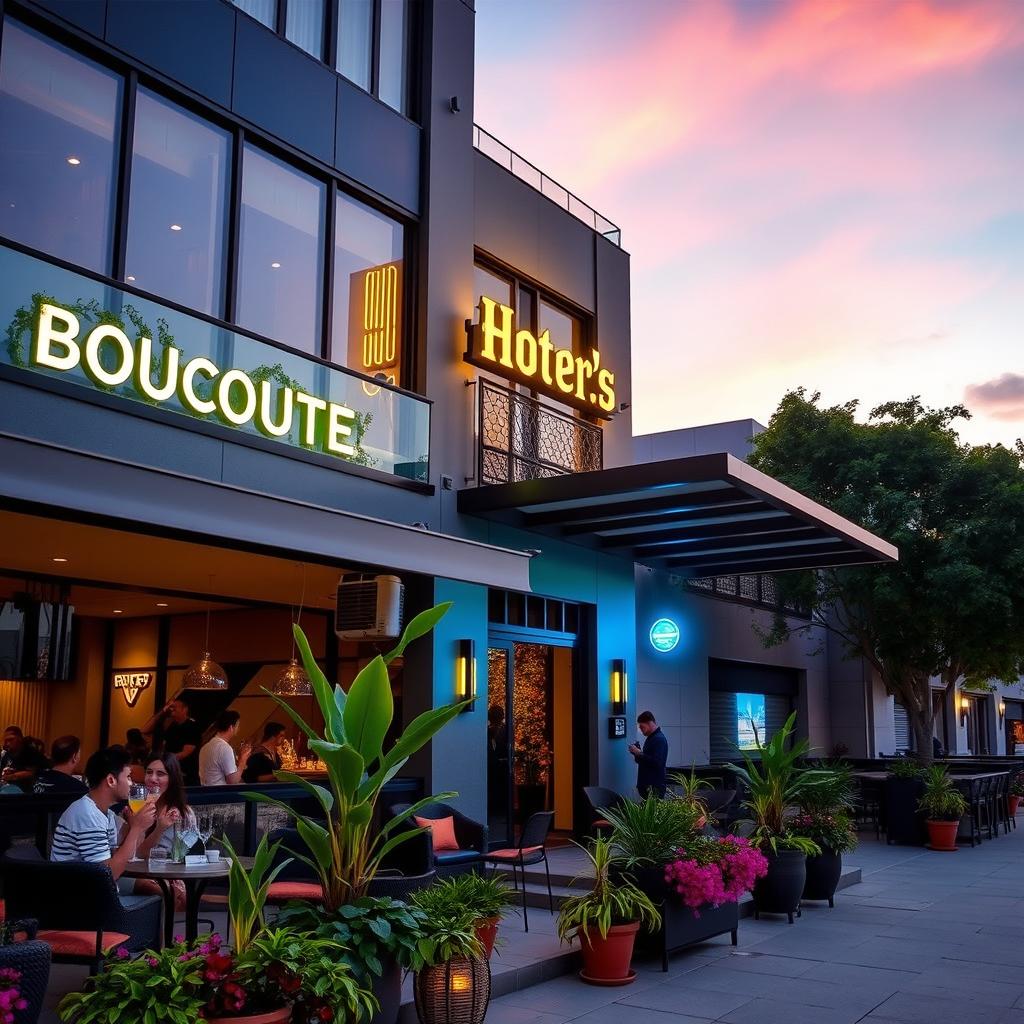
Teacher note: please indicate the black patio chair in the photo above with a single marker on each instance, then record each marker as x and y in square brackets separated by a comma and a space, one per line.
[81, 916]
[599, 798]
[471, 836]
[531, 850]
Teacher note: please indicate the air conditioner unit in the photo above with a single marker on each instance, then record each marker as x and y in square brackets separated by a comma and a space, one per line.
[369, 607]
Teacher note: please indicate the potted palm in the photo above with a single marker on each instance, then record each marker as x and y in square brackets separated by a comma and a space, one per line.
[776, 784]
[344, 848]
[825, 819]
[943, 806]
[606, 919]
[484, 899]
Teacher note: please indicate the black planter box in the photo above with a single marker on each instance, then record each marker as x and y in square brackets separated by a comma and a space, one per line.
[903, 822]
[679, 928]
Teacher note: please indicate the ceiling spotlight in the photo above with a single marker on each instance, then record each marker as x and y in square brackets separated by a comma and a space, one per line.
[60, 559]
[130, 277]
[276, 266]
[117, 611]
[175, 227]
[74, 161]
[161, 604]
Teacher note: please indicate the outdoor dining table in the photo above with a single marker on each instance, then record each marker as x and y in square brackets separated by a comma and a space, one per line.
[967, 783]
[196, 878]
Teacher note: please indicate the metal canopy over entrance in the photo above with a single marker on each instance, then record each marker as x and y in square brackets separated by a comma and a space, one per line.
[707, 515]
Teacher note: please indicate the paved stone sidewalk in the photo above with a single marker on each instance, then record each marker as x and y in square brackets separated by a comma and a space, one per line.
[929, 938]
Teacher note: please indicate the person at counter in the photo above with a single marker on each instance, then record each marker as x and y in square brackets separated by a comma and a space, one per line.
[265, 758]
[21, 761]
[65, 754]
[173, 730]
[217, 765]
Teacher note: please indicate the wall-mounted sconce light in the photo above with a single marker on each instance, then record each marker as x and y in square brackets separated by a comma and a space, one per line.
[465, 674]
[1002, 711]
[620, 686]
[964, 708]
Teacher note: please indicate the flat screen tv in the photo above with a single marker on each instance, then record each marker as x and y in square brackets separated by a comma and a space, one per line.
[35, 637]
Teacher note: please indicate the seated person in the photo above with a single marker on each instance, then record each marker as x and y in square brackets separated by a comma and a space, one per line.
[89, 830]
[265, 759]
[164, 778]
[217, 765]
[22, 761]
[65, 754]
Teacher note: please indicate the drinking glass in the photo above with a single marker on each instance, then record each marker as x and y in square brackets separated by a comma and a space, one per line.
[136, 801]
[158, 857]
[205, 823]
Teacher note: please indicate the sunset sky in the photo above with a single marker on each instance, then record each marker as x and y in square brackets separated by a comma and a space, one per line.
[826, 193]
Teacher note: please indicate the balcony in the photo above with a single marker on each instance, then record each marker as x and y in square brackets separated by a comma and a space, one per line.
[536, 178]
[523, 439]
[88, 338]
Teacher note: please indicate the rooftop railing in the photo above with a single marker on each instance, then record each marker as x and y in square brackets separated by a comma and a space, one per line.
[535, 177]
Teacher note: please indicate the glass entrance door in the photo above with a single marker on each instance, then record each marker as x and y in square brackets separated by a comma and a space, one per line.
[529, 736]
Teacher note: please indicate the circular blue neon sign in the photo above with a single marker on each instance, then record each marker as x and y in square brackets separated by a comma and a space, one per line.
[664, 635]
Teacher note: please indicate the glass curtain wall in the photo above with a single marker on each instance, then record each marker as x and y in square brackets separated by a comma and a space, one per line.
[177, 208]
[304, 25]
[280, 263]
[59, 126]
[355, 42]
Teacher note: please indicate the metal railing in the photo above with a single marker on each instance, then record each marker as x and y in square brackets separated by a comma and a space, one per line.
[756, 590]
[535, 177]
[522, 439]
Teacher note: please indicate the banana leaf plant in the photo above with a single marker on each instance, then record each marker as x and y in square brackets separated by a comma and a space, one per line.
[342, 847]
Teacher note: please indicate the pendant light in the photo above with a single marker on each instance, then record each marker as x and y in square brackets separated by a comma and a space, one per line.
[293, 681]
[205, 674]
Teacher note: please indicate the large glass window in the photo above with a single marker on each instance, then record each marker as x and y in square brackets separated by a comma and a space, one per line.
[355, 41]
[486, 282]
[566, 331]
[280, 264]
[176, 219]
[368, 289]
[59, 119]
[304, 25]
[264, 11]
[394, 49]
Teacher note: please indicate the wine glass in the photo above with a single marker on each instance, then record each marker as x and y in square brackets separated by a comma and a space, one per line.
[136, 801]
[205, 825]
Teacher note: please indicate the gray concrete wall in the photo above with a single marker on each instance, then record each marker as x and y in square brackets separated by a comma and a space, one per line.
[675, 685]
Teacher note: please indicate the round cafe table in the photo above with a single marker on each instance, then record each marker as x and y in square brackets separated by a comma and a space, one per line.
[195, 878]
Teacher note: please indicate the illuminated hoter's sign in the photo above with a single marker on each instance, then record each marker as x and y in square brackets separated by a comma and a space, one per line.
[580, 381]
[131, 684]
[109, 358]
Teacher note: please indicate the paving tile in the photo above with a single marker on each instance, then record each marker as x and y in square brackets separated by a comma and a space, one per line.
[932, 1009]
[765, 963]
[614, 1015]
[500, 1012]
[679, 999]
[776, 1011]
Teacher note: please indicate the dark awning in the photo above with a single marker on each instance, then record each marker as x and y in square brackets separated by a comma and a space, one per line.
[709, 515]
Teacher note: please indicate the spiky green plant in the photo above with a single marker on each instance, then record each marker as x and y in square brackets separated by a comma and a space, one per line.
[648, 832]
[941, 800]
[776, 783]
[610, 901]
[343, 848]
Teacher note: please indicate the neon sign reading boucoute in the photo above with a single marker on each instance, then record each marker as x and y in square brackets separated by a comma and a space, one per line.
[664, 635]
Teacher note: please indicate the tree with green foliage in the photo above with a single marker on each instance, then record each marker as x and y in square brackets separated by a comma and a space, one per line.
[953, 606]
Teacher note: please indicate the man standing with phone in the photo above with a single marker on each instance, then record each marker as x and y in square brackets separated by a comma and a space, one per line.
[652, 758]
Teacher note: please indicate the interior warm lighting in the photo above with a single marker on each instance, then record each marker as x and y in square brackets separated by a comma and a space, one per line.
[161, 604]
[620, 686]
[60, 559]
[292, 682]
[465, 674]
[74, 161]
[175, 227]
[205, 674]
[117, 611]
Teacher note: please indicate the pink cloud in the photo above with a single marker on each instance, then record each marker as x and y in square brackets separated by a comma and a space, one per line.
[1002, 398]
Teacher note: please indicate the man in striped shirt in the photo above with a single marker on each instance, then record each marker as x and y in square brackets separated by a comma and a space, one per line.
[89, 830]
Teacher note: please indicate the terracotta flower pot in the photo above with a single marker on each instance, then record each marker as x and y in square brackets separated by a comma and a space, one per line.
[942, 835]
[282, 1015]
[1014, 803]
[606, 961]
[487, 932]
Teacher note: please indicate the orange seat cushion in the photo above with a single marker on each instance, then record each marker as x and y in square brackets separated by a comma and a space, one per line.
[511, 854]
[281, 891]
[442, 832]
[63, 943]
